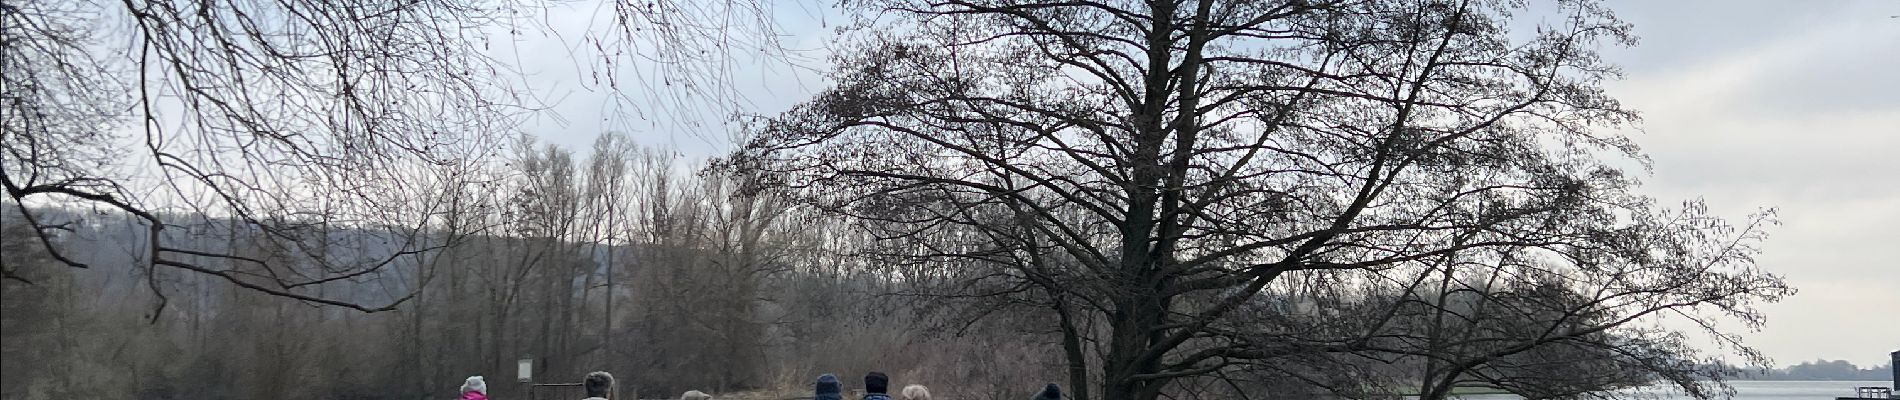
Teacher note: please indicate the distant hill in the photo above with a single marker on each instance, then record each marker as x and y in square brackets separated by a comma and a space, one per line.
[1823, 370]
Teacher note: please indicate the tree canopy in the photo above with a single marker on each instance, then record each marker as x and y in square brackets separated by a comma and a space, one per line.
[1152, 168]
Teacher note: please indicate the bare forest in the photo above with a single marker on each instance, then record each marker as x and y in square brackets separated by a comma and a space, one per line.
[681, 282]
[1137, 200]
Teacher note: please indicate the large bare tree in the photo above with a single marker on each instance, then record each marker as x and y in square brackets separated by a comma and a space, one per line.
[1156, 166]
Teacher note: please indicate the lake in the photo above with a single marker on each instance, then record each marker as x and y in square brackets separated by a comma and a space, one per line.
[1759, 390]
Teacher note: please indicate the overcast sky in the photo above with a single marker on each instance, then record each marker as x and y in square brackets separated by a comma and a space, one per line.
[1747, 104]
[1796, 106]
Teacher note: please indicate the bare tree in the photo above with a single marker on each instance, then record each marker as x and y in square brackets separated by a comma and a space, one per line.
[1544, 335]
[1185, 158]
[750, 239]
[608, 194]
[279, 115]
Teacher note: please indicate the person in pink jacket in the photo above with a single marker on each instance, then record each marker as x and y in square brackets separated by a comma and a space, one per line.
[474, 389]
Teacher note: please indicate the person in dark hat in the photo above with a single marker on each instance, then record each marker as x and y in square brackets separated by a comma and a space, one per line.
[877, 386]
[1051, 392]
[828, 388]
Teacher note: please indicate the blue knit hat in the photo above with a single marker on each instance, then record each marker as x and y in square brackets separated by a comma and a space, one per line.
[828, 388]
[1051, 392]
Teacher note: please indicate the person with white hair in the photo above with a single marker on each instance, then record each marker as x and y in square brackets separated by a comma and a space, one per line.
[599, 385]
[916, 392]
[474, 389]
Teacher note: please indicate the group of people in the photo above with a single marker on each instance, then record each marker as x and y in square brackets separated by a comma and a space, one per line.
[599, 386]
[877, 387]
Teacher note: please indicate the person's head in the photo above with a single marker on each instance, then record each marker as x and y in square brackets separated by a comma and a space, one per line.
[1051, 392]
[916, 392]
[876, 382]
[598, 384]
[828, 388]
[475, 384]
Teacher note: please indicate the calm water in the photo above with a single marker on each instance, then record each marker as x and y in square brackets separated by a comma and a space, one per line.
[1761, 390]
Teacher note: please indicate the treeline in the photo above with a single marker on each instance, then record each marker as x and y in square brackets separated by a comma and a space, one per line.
[676, 277]
[671, 276]
[1824, 370]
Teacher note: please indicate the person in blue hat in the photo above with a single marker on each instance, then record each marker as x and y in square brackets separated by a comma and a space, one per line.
[1051, 392]
[828, 388]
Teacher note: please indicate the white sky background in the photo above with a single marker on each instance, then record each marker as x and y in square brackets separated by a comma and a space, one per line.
[1796, 106]
[561, 69]
[1747, 104]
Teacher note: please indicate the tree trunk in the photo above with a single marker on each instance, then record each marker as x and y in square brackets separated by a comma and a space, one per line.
[607, 323]
[1072, 350]
[1133, 332]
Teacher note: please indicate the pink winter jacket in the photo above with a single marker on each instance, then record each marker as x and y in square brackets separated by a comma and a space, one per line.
[474, 396]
